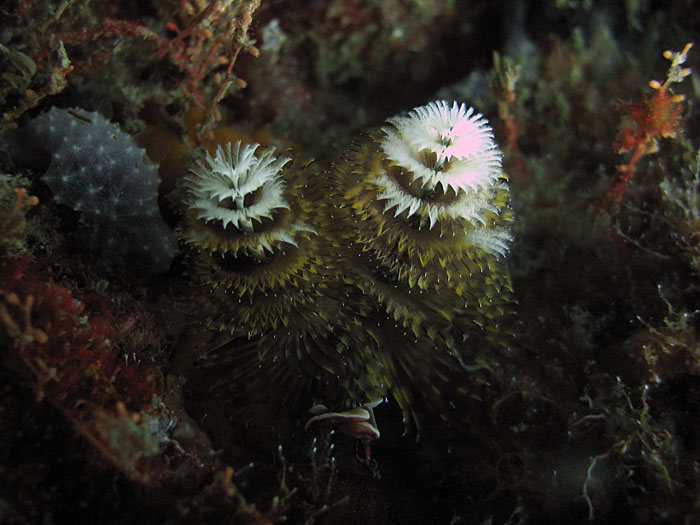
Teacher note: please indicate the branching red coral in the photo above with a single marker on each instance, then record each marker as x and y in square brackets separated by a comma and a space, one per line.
[203, 41]
[645, 121]
[65, 343]
[208, 37]
[208, 40]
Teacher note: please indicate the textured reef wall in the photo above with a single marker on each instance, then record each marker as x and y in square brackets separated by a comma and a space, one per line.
[242, 280]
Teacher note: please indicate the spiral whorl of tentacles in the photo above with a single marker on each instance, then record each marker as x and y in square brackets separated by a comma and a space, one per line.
[428, 218]
[254, 227]
[384, 277]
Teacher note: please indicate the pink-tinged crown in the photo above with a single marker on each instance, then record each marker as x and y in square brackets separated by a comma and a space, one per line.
[443, 145]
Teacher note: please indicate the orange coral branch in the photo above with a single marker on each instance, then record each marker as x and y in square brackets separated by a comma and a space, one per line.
[22, 332]
[507, 77]
[11, 222]
[653, 117]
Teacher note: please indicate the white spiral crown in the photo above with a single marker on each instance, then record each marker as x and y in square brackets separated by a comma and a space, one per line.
[223, 183]
[444, 146]
[453, 167]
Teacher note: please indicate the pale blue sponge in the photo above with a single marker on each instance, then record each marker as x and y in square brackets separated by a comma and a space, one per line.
[97, 170]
